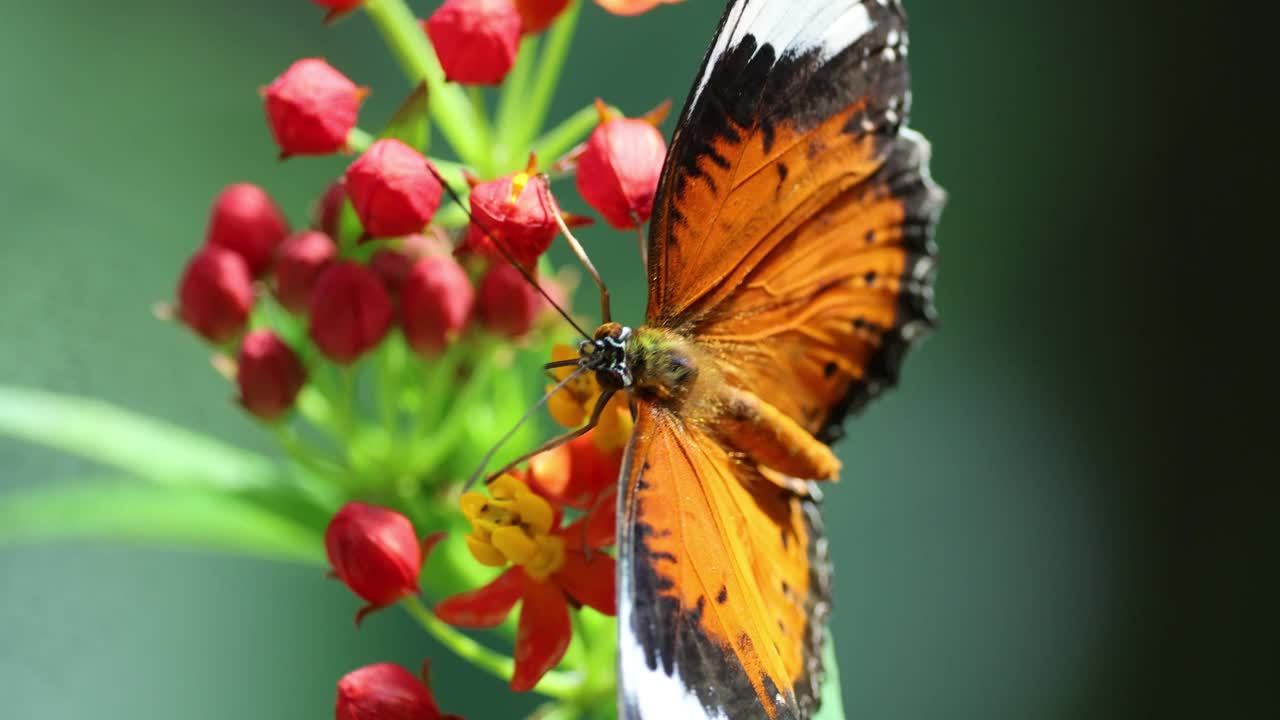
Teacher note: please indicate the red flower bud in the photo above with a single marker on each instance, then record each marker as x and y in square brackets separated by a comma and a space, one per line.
[392, 264]
[245, 219]
[338, 8]
[436, 304]
[618, 172]
[311, 107]
[386, 691]
[326, 214]
[391, 267]
[216, 294]
[303, 256]
[392, 189]
[350, 312]
[374, 552]
[539, 14]
[518, 212]
[420, 245]
[476, 40]
[269, 374]
[506, 303]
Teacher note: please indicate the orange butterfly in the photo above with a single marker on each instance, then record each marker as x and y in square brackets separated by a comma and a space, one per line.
[790, 268]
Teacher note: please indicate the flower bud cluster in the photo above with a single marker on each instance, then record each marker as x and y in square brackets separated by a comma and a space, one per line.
[390, 297]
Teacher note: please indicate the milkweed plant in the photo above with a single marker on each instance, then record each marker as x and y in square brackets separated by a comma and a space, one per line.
[388, 348]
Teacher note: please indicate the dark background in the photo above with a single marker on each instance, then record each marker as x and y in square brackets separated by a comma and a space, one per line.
[1049, 519]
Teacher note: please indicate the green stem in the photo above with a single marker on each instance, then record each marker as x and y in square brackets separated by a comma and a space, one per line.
[358, 140]
[308, 456]
[452, 173]
[449, 106]
[436, 388]
[511, 105]
[564, 137]
[390, 366]
[436, 447]
[557, 711]
[553, 684]
[554, 52]
[344, 403]
[452, 217]
[475, 96]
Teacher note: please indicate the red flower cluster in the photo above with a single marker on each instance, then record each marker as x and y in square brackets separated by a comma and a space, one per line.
[547, 525]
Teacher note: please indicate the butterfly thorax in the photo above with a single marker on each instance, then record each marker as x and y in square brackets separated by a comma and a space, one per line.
[665, 366]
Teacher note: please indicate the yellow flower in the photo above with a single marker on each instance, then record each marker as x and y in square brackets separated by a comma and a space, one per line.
[513, 525]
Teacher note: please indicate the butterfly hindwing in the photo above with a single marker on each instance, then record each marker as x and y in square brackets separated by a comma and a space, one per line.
[724, 588]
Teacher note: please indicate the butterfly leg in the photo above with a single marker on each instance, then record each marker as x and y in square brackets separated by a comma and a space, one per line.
[556, 442]
[774, 440]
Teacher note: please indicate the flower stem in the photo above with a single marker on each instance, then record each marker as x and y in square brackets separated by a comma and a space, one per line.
[449, 106]
[308, 456]
[430, 452]
[562, 138]
[475, 96]
[359, 140]
[391, 360]
[511, 105]
[554, 51]
[553, 684]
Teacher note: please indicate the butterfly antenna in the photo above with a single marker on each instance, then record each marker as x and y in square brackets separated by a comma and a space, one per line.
[605, 314]
[488, 456]
[505, 254]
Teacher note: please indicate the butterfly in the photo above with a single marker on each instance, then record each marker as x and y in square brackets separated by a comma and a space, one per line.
[790, 268]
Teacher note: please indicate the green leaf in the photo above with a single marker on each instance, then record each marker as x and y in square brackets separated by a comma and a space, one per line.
[832, 703]
[150, 514]
[145, 447]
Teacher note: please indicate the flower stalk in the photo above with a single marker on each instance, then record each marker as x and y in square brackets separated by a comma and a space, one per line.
[449, 106]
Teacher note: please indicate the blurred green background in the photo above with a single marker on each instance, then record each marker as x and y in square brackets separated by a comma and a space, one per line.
[1004, 537]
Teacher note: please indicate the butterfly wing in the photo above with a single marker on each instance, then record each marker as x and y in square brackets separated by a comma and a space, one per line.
[723, 588]
[793, 228]
[792, 239]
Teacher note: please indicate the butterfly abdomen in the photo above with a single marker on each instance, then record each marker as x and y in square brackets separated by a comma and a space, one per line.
[772, 439]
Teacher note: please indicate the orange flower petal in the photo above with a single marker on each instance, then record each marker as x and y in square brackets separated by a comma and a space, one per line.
[632, 7]
[485, 607]
[543, 634]
[590, 581]
[576, 473]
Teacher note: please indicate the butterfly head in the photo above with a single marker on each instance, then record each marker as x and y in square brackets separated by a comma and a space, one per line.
[606, 354]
